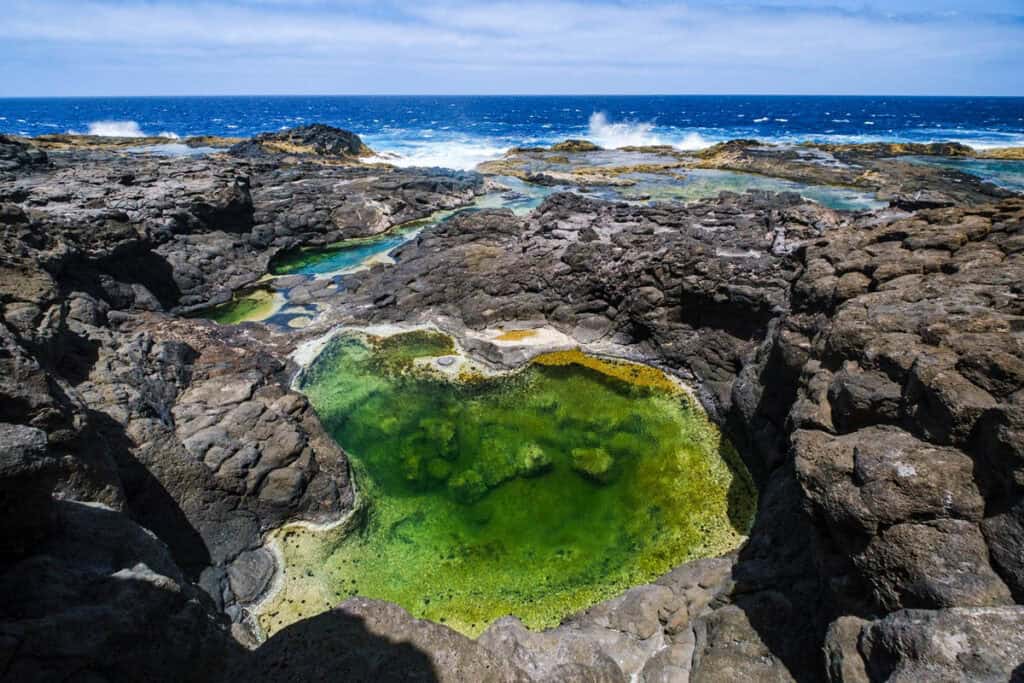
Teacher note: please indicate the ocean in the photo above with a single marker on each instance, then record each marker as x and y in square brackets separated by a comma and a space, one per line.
[460, 132]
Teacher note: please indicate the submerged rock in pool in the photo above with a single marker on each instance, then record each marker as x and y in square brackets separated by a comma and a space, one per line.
[535, 493]
[594, 463]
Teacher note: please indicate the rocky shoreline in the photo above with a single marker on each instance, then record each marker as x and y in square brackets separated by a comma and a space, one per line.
[867, 364]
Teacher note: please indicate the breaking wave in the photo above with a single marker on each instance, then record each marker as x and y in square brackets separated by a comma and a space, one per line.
[693, 141]
[116, 129]
[122, 129]
[461, 155]
[637, 134]
[623, 134]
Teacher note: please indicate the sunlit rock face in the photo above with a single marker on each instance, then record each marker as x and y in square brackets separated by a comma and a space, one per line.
[535, 493]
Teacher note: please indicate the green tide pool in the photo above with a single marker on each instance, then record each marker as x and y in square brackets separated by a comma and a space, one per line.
[258, 304]
[536, 493]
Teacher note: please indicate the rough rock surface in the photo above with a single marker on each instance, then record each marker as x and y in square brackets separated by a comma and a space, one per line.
[370, 640]
[181, 426]
[16, 155]
[184, 233]
[316, 138]
[101, 599]
[877, 167]
[869, 366]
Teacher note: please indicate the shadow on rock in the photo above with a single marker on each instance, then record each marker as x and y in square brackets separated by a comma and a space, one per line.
[335, 646]
[136, 264]
[99, 599]
[775, 623]
[364, 641]
[78, 355]
[152, 505]
[741, 498]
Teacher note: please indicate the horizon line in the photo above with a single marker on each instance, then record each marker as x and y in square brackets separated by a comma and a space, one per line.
[495, 95]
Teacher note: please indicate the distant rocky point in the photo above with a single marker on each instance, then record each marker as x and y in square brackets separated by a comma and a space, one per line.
[316, 138]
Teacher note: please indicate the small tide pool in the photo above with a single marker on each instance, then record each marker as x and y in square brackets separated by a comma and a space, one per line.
[1008, 174]
[694, 184]
[303, 277]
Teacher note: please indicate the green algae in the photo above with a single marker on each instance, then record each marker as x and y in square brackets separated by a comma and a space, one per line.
[254, 306]
[536, 493]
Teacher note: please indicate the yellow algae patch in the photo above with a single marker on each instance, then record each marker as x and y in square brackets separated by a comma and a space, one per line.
[1003, 153]
[623, 170]
[469, 376]
[632, 373]
[516, 335]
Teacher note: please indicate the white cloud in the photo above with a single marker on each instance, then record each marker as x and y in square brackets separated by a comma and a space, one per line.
[567, 44]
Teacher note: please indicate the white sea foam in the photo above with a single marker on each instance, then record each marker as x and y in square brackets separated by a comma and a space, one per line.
[762, 119]
[463, 155]
[116, 129]
[122, 129]
[989, 143]
[978, 139]
[693, 141]
[637, 134]
[622, 134]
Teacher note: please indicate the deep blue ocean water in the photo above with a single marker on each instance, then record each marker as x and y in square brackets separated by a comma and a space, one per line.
[462, 131]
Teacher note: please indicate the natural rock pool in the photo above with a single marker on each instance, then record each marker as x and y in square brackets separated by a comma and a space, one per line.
[536, 493]
[1008, 174]
[300, 278]
[699, 183]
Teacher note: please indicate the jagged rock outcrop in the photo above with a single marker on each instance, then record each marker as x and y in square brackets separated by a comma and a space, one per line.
[101, 598]
[16, 155]
[877, 167]
[371, 640]
[869, 365]
[316, 138]
[184, 233]
[180, 426]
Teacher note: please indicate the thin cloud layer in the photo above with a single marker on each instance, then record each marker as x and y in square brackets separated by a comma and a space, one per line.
[63, 47]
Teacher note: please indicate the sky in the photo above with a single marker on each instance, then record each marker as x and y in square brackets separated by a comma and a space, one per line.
[210, 47]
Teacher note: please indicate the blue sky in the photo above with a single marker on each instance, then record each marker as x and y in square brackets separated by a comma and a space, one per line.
[153, 47]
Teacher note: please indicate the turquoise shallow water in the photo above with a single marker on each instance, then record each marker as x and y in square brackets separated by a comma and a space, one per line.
[1006, 174]
[346, 256]
[272, 302]
[343, 257]
[704, 184]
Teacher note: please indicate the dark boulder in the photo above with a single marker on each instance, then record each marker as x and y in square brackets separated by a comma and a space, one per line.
[315, 138]
[16, 155]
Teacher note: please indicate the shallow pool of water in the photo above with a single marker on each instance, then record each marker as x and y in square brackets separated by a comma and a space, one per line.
[536, 493]
[695, 184]
[1008, 174]
[257, 304]
[347, 256]
[272, 301]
